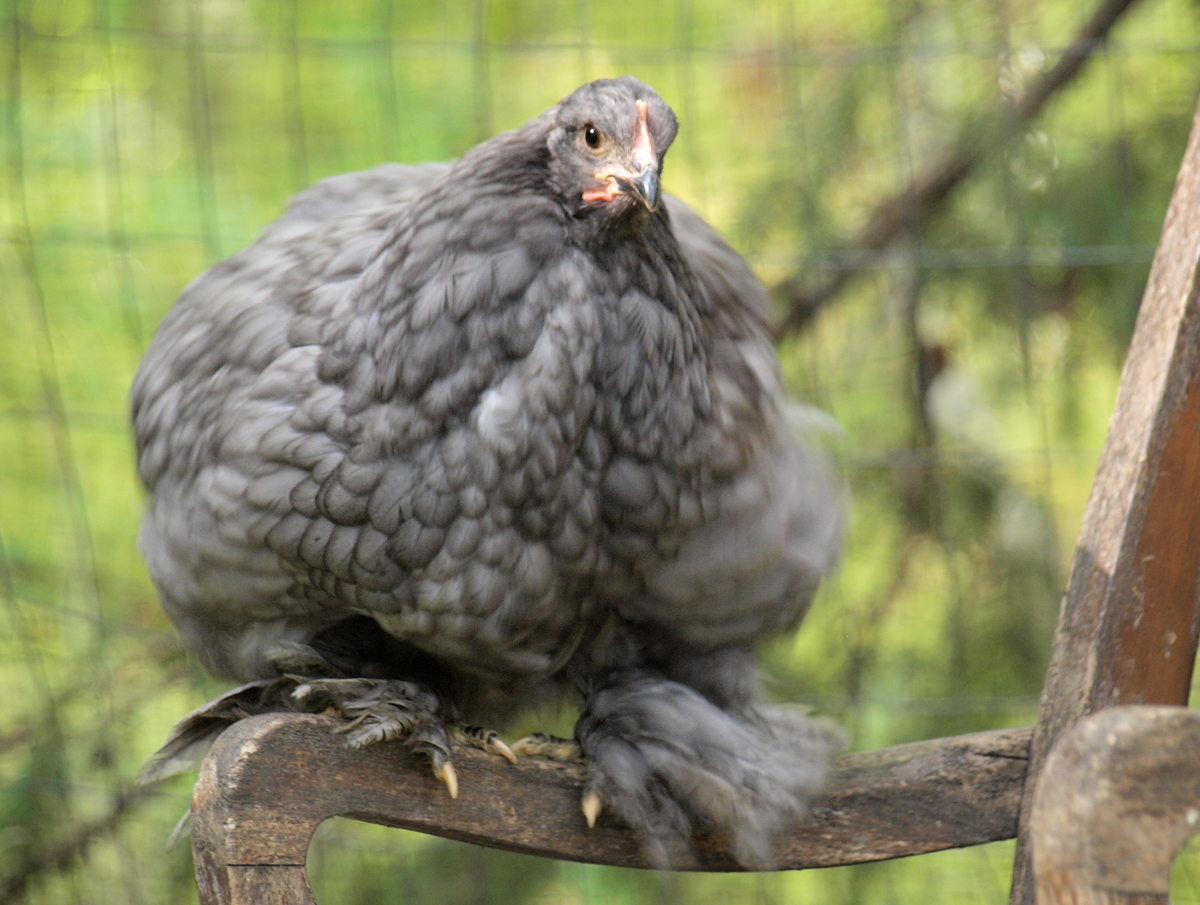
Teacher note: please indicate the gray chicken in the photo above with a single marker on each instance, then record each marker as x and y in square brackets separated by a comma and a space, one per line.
[450, 440]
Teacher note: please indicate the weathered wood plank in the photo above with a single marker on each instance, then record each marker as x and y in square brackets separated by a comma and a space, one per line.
[1128, 625]
[270, 885]
[270, 780]
[1118, 798]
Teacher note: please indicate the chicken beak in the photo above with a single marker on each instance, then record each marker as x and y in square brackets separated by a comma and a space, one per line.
[643, 186]
[644, 183]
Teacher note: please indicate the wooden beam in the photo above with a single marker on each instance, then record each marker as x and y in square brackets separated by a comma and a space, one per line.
[269, 781]
[1128, 625]
[1117, 800]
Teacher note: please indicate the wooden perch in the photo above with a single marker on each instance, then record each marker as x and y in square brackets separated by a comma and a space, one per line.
[270, 780]
[1118, 798]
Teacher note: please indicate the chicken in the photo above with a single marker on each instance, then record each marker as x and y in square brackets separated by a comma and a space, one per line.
[454, 439]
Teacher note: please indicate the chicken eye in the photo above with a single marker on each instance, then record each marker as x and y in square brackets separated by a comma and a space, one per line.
[591, 135]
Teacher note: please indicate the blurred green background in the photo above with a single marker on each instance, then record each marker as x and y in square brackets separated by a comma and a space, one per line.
[972, 367]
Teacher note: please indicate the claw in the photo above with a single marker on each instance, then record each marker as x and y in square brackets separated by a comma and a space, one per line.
[445, 772]
[496, 746]
[591, 808]
[483, 739]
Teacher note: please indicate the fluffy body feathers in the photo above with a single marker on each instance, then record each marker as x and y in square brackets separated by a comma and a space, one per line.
[452, 424]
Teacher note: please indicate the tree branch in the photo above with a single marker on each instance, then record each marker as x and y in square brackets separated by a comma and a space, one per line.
[914, 206]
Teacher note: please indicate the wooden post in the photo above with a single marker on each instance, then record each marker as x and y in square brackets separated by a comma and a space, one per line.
[1128, 626]
[1116, 801]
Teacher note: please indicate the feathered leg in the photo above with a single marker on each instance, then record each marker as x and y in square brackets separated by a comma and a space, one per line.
[667, 761]
[374, 710]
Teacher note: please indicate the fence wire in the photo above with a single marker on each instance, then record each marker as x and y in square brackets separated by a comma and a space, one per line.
[972, 363]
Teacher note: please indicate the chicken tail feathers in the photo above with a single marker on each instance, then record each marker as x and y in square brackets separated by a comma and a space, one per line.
[192, 736]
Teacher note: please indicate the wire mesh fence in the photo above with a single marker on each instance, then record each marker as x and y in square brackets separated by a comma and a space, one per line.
[971, 360]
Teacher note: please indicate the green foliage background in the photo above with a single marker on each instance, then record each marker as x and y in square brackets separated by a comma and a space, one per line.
[973, 370]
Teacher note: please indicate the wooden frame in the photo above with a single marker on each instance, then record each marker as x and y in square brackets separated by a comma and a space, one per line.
[1117, 799]
[1128, 625]
[253, 821]
[1126, 634]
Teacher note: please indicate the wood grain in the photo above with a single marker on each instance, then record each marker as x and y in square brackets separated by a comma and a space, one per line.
[1127, 630]
[1117, 800]
[270, 780]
